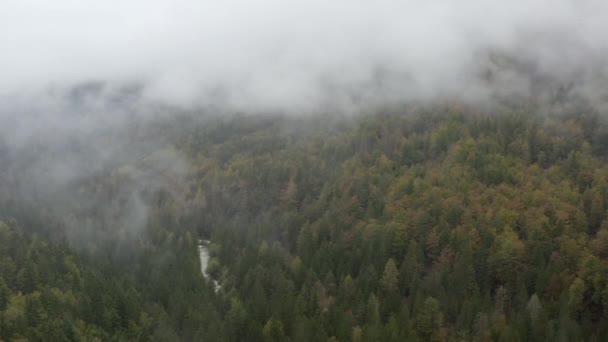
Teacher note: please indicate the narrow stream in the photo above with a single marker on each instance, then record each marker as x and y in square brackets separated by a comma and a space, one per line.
[203, 251]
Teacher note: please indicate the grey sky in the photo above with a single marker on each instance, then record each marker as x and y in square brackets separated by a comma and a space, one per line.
[280, 54]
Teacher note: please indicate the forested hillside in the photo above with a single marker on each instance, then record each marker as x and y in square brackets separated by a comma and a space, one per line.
[432, 224]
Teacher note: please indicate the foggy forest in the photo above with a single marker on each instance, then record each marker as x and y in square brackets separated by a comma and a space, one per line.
[297, 170]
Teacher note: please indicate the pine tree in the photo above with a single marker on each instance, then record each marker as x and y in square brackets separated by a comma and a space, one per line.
[429, 320]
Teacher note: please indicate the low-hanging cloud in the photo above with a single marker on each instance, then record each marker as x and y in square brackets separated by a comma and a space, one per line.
[86, 84]
[302, 54]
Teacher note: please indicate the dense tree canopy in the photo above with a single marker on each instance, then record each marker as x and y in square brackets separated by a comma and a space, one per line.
[421, 225]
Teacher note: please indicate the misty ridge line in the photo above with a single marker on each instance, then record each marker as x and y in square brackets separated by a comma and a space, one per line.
[300, 56]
